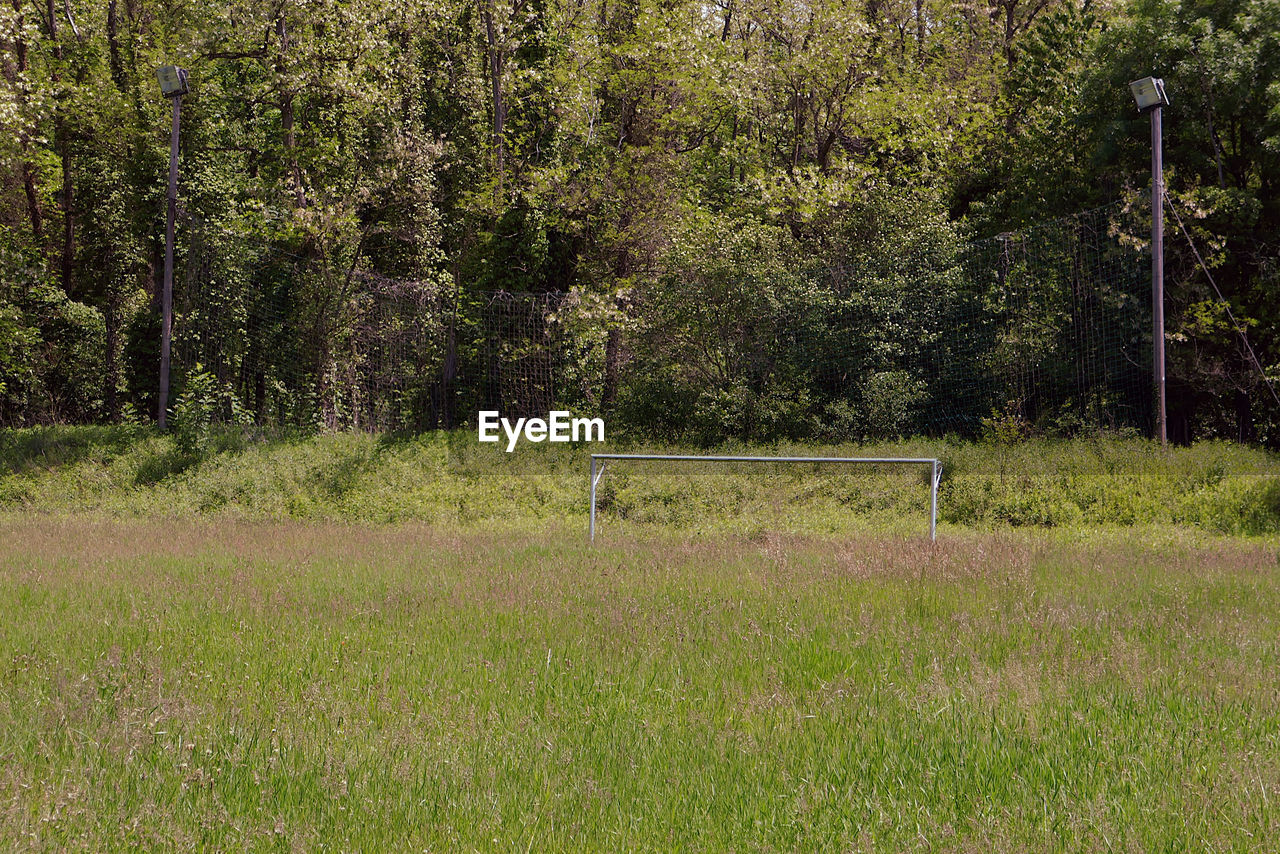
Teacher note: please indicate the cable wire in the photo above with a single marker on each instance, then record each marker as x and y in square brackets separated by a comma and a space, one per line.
[1244, 339]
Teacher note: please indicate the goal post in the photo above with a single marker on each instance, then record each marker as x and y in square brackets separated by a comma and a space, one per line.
[935, 471]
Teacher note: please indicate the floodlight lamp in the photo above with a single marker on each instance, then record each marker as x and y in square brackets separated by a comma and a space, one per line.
[1149, 93]
[173, 80]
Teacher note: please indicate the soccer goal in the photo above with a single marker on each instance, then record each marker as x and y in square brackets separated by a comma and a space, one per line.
[935, 467]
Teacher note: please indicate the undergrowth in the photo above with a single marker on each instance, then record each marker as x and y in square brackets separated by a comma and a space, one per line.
[450, 478]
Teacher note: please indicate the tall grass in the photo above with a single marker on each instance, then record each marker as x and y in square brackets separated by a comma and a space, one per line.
[222, 684]
[447, 478]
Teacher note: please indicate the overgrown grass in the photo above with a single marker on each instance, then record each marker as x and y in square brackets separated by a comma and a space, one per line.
[238, 649]
[448, 478]
[222, 684]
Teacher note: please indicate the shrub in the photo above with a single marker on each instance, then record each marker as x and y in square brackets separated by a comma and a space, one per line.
[192, 413]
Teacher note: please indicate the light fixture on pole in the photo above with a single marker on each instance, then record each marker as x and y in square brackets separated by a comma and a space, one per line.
[173, 83]
[1150, 97]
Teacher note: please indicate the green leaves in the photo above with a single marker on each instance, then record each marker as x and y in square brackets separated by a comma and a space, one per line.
[675, 164]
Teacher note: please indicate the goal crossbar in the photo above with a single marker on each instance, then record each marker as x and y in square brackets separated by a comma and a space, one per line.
[598, 462]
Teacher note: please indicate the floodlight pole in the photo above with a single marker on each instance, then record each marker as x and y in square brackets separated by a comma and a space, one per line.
[1150, 96]
[1157, 266]
[166, 296]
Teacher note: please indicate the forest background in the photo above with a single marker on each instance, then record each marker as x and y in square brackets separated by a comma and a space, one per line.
[689, 172]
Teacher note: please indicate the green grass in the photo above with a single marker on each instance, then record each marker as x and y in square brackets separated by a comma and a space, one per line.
[229, 684]
[448, 479]
[349, 642]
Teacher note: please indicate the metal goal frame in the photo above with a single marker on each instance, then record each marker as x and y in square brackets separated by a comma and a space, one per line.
[597, 472]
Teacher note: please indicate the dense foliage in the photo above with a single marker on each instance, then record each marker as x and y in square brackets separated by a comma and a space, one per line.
[679, 166]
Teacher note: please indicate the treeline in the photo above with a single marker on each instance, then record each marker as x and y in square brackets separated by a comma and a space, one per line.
[663, 160]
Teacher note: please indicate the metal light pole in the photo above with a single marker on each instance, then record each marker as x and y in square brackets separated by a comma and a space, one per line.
[1150, 97]
[173, 83]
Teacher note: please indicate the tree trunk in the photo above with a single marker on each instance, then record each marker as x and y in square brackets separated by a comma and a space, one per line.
[612, 355]
[286, 116]
[113, 47]
[919, 30]
[110, 397]
[68, 221]
[33, 199]
[797, 130]
[1009, 32]
[64, 156]
[259, 395]
[497, 65]
[824, 152]
[1244, 418]
[14, 73]
[449, 371]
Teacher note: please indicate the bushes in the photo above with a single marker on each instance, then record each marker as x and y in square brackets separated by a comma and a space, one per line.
[1258, 510]
[52, 349]
[1248, 506]
[747, 338]
[193, 413]
[1190, 491]
[203, 402]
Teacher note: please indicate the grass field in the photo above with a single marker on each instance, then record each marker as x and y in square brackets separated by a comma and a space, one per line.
[247, 677]
[445, 479]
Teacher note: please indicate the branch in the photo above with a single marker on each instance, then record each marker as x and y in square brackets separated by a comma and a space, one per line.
[71, 20]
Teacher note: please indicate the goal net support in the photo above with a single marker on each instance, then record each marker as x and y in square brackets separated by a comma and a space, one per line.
[935, 473]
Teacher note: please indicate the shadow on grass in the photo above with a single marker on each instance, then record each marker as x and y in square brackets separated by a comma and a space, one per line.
[168, 463]
[336, 480]
[401, 438]
[1259, 511]
[44, 448]
[220, 442]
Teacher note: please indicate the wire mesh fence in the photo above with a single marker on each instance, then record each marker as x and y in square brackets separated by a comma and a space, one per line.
[1045, 327]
